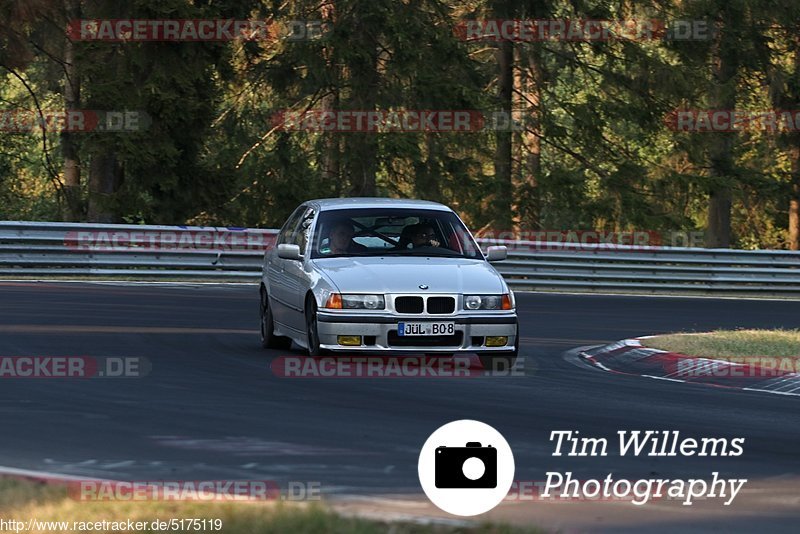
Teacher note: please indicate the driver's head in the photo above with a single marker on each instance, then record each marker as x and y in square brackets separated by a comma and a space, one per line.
[341, 234]
[422, 235]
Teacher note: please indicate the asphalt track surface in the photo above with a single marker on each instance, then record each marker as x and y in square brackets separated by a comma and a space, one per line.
[212, 409]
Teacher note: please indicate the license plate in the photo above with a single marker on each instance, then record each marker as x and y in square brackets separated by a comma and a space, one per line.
[426, 329]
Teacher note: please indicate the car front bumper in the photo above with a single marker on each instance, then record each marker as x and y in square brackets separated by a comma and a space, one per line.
[379, 332]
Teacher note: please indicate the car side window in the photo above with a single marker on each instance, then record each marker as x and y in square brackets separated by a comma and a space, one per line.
[302, 236]
[287, 232]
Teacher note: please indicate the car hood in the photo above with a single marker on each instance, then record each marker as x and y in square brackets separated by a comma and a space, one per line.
[387, 274]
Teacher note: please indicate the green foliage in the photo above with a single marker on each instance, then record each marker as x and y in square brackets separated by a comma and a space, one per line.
[211, 153]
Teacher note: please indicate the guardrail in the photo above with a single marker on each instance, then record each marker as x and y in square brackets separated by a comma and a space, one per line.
[35, 249]
[650, 269]
[131, 251]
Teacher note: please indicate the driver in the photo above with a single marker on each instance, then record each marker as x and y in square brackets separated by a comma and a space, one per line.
[422, 235]
[341, 239]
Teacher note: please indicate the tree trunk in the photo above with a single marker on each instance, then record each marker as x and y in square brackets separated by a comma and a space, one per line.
[362, 147]
[794, 192]
[105, 178]
[517, 148]
[73, 210]
[331, 156]
[427, 184]
[719, 218]
[503, 198]
[363, 154]
[794, 197]
[725, 69]
[530, 88]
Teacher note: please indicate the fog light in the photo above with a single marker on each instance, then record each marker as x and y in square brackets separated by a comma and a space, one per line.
[349, 340]
[496, 341]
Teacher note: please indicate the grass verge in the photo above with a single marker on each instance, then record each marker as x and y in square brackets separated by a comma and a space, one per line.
[731, 344]
[23, 500]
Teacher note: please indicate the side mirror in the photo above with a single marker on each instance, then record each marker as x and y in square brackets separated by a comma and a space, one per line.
[497, 253]
[289, 252]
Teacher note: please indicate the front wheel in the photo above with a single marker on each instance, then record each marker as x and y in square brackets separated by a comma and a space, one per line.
[312, 334]
[268, 338]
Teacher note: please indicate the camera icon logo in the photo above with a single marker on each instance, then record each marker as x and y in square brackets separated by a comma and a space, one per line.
[466, 467]
[472, 466]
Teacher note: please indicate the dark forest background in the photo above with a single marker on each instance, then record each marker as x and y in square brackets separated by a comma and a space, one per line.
[595, 151]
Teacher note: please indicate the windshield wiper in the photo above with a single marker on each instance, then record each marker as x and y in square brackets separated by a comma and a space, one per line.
[420, 252]
[351, 254]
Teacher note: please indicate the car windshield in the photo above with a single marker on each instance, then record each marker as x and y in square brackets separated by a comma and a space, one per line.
[392, 231]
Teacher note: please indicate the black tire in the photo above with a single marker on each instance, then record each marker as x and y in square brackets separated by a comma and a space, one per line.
[268, 338]
[312, 334]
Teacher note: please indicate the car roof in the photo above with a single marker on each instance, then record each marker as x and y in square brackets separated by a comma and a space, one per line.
[325, 204]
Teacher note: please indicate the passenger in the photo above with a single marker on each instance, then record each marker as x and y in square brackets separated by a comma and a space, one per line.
[341, 239]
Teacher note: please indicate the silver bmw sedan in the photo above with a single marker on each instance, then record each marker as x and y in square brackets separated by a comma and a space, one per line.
[381, 275]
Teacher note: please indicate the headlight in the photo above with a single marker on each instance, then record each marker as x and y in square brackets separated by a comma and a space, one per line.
[363, 302]
[488, 302]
